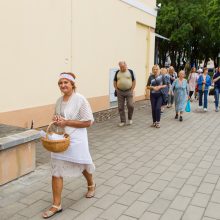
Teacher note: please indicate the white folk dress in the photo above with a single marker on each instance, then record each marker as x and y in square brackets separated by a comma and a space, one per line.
[77, 158]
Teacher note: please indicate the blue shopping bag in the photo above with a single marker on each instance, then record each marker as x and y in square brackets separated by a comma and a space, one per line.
[188, 108]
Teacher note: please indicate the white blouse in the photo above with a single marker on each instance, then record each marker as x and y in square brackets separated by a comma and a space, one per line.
[193, 78]
[77, 108]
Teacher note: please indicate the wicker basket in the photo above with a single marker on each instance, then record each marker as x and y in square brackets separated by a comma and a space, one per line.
[55, 146]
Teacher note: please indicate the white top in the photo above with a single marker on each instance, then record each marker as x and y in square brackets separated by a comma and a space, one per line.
[77, 108]
[193, 78]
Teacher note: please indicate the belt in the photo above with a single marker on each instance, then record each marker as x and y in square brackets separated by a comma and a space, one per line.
[124, 90]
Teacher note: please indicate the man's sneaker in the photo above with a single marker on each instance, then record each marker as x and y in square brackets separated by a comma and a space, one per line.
[130, 122]
[216, 110]
[205, 109]
[121, 124]
[200, 107]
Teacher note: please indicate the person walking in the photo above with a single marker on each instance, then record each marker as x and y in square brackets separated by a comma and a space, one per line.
[124, 83]
[180, 91]
[199, 72]
[204, 81]
[165, 90]
[216, 80]
[74, 115]
[156, 82]
[193, 77]
[173, 76]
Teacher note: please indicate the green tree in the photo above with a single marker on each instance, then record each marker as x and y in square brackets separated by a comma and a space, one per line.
[193, 30]
[214, 23]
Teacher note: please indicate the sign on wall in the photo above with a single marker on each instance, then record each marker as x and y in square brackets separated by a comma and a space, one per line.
[111, 86]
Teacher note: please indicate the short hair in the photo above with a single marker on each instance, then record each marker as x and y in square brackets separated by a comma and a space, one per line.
[155, 65]
[181, 71]
[163, 70]
[122, 62]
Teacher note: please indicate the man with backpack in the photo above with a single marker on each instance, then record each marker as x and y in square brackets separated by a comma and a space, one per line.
[124, 83]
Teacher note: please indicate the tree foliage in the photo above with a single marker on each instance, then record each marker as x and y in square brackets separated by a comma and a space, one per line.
[193, 27]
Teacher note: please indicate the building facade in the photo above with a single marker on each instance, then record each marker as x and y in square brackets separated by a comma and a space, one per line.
[42, 38]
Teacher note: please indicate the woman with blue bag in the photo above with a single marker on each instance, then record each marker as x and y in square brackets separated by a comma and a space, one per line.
[188, 107]
[180, 90]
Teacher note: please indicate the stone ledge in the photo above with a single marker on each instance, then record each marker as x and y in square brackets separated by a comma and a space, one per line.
[7, 130]
[20, 138]
[17, 152]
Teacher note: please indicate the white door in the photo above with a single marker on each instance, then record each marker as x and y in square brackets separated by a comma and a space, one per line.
[111, 86]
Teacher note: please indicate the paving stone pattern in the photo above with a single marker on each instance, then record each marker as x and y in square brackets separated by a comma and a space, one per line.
[171, 173]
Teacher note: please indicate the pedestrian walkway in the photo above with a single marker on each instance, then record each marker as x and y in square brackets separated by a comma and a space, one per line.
[144, 173]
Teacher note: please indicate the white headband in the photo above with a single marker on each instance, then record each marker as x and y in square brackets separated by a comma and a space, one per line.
[67, 76]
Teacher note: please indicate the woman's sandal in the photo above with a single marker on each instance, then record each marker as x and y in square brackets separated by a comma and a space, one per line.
[157, 125]
[90, 193]
[153, 125]
[50, 213]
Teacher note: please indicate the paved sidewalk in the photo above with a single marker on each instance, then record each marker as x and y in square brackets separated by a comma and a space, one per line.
[144, 173]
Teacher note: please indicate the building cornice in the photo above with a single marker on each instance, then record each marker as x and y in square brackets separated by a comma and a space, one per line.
[141, 6]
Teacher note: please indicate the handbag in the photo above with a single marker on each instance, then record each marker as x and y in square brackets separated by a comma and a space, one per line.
[188, 107]
[212, 91]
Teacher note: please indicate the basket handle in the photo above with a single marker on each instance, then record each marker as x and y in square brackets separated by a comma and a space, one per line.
[47, 131]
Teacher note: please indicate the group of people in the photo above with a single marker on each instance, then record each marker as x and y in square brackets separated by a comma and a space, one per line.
[180, 90]
[166, 88]
[73, 114]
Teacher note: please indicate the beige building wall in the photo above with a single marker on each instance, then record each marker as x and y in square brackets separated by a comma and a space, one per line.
[42, 38]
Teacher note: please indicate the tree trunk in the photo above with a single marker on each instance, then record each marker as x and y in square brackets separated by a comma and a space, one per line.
[178, 60]
[216, 61]
[164, 59]
[206, 62]
[173, 58]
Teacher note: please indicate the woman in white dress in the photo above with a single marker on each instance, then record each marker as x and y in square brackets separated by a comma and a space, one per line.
[74, 114]
[193, 78]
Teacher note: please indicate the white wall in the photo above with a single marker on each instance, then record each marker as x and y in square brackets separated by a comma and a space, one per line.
[109, 34]
[35, 41]
[41, 38]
